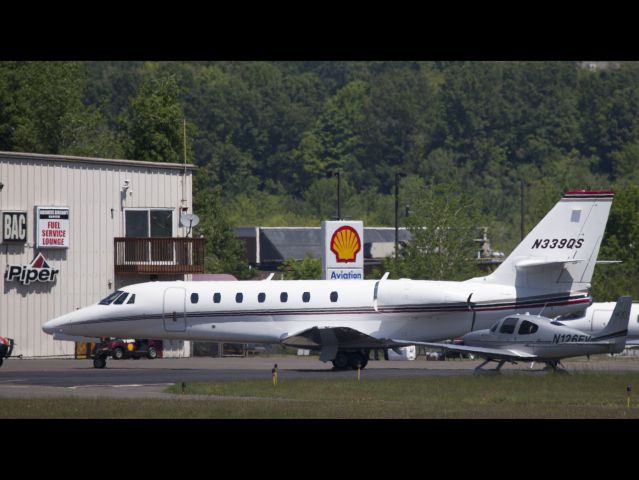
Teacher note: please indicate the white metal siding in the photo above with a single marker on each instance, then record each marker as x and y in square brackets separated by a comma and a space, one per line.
[92, 191]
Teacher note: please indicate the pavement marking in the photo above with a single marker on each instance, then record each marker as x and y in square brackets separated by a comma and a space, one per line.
[122, 386]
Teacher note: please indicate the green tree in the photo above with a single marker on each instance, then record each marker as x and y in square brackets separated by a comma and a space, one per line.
[442, 225]
[620, 243]
[223, 253]
[155, 123]
[308, 269]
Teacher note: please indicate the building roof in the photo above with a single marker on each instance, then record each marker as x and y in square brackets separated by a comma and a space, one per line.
[276, 244]
[39, 157]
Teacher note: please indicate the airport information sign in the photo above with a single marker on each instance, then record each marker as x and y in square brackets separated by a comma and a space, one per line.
[52, 227]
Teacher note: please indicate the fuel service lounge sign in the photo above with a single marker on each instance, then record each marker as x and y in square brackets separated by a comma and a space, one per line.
[52, 227]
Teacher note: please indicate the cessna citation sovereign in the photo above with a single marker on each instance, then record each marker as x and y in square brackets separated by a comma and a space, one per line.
[549, 271]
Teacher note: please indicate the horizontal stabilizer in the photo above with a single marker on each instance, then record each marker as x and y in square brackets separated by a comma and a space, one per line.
[542, 262]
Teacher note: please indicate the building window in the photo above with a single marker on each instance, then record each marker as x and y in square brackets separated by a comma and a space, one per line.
[261, 297]
[148, 222]
[195, 298]
[306, 297]
[283, 297]
[217, 298]
[333, 297]
[239, 297]
[145, 223]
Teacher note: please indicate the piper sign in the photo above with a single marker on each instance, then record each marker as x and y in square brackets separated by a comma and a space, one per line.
[38, 271]
[343, 250]
[53, 227]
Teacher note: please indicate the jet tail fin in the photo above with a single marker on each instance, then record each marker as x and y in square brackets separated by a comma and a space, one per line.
[617, 328]
[560, 253]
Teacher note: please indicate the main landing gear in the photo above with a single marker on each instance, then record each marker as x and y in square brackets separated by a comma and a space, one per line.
[100, 361]
[355, 360]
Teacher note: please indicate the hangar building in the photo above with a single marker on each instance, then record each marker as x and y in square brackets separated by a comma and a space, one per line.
[76, 228]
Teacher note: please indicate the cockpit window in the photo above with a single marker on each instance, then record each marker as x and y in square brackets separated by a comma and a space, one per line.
[111, 297]
[131, 300]
[508, 327]
[494, 327]
[120, 300]
[526, 328]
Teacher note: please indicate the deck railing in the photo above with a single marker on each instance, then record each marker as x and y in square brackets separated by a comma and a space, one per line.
[158, 255]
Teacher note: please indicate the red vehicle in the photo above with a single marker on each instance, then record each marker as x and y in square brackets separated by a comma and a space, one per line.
[6, 347]
[120, 349]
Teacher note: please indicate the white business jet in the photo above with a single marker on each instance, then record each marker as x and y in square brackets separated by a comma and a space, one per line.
[549, 270]
[530, 338]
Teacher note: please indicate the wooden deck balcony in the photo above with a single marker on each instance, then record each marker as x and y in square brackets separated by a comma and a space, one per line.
[158, 255]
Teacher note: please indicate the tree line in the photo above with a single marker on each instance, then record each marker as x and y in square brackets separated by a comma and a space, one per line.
[267, 134]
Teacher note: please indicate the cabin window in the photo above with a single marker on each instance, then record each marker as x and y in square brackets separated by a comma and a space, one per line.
[120, 300]
[526, 328]
[110, 298]
[217, 298]
[306, 297]
[283, 297]
[333, 297]
[239, 297]
[195, 298]
[261, 297]
[508, 327]
[131, 300]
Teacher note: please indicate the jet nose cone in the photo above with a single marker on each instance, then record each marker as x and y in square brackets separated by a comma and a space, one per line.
[52, 326]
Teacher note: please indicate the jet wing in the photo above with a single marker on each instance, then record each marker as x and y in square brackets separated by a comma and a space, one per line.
[331, 339]
[492, 353]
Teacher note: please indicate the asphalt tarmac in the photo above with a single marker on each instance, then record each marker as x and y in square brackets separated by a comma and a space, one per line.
[47, 378]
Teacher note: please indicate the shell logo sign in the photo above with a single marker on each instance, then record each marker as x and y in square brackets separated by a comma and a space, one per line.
[343, 250]
[345, 244]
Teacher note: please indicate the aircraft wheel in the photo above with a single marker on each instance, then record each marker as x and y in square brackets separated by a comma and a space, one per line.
[152, 353]
[99, 362]
[1, 361]
[356, 360]
[340, 362]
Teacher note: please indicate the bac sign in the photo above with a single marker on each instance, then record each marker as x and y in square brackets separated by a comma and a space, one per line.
[343, 251]
[14, 227]
[52, 227]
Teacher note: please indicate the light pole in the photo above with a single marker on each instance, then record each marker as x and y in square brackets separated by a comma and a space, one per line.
[339, 212]
[398, 175]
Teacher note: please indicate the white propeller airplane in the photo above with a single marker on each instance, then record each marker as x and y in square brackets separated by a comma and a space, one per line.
[534, 338]
[549, 270]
